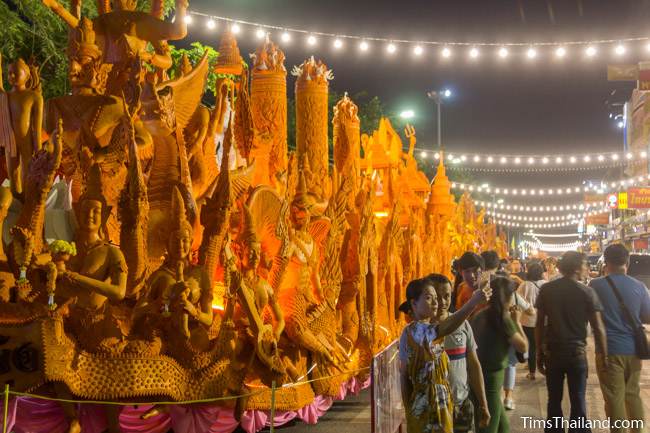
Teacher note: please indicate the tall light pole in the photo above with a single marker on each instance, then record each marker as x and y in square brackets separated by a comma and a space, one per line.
[437, 96]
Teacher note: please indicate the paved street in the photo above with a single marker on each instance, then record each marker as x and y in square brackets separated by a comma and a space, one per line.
[353, 414]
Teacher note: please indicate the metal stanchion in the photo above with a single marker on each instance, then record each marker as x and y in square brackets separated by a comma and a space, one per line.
[272, 406]
[6, 409]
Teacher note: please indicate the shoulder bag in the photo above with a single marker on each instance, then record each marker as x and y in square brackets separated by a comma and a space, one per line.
[640, 339]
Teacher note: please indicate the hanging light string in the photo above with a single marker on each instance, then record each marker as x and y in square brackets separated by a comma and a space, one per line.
[544, 169]
[514, 224]
[550, 191]
[506, 162]
[530, 50]
[554, 248]
[501, 205]
[562, 246]
[553, 235]
[551, 218]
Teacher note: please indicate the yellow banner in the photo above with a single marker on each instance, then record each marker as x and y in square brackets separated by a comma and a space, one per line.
[622, 200]
[622, 72]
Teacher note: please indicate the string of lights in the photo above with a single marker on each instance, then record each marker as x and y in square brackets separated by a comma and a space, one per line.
[551, 248]
[528, 218]
[539, 209]
[553, 235]
[588, 49]
[515, 224]
[539, 162]
[600, 188]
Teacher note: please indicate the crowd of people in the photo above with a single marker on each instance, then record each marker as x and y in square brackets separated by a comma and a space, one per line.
[459, 352]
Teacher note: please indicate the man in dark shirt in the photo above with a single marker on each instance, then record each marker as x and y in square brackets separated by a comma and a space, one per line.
[564, 307]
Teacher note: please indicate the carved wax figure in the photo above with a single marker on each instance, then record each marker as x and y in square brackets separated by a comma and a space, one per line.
[21, 118]
[97, 275]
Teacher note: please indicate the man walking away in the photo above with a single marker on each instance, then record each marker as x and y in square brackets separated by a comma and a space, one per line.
[620, 381]
[564, 307]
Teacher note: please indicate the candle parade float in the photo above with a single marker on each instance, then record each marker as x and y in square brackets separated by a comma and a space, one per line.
[208, 263]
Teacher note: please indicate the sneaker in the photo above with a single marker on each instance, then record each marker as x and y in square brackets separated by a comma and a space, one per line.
[509, 404]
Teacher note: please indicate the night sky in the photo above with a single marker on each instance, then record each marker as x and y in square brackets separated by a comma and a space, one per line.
[511, 106]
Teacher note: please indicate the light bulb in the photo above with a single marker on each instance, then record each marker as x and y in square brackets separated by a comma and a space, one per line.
[560, 52]
[474, 53]
[338, 43]
[446, 53]
[619, 50]
[188, 19]
[363, 46]
[503, 52]
[418, 50]
[311, 40]
[531, 53]
[211, 24]
[391, 48]
[235, 28]
[286, 37]
[590, 51]
[260, 34]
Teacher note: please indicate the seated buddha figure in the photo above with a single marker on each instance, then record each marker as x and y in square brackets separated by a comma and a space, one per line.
[96, 277]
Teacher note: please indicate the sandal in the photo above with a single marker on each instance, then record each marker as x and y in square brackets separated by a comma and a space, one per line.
[531, 376]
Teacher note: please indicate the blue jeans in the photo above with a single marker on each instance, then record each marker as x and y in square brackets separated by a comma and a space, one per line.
[511, 370]
[573, 366]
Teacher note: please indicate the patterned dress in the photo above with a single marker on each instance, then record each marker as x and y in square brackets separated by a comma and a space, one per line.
[430, 409]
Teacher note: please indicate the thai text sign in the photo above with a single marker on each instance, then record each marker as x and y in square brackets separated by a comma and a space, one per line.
[598, 219]
[638, 198]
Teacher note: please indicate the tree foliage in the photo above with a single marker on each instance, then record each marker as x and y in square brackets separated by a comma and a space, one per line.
[30, 30]
[371, 110]
[194, 54]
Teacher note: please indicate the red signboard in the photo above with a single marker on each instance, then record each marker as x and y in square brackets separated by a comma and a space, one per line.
[640, 244]
[638, 198]
[598, 219]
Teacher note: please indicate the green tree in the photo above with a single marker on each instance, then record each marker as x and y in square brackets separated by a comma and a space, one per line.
[371, 110]
[194, 54]
[30, 30]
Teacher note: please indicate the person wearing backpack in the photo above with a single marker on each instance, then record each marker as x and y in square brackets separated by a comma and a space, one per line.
[626, 306]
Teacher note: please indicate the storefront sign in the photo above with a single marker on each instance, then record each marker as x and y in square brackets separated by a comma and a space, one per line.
[622, 200]
[598, 219]
[638, 198]
[612, 201]
[594, 198]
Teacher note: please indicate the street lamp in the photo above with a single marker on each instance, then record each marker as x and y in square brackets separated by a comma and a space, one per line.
[408, 114]
[437, 97]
